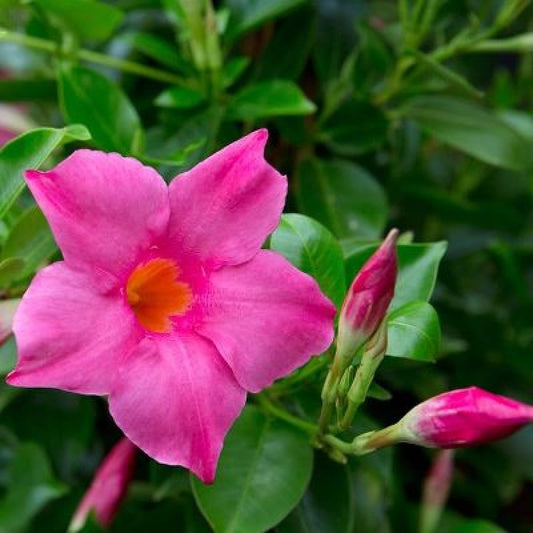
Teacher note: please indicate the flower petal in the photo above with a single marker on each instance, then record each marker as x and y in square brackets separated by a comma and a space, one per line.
[266, 318]
[69, 335]
[104, 209]
[175, 398]
[223, 209]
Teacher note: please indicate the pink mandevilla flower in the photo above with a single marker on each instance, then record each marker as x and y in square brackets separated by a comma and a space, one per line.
[164, 300]
[464, 417]
[369, 296]
[108, 487]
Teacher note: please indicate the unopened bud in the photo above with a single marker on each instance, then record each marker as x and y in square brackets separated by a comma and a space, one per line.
[7, 312]
[108, 488]
[463, 417]
[436, 489]
[454, 419]
[368, 298]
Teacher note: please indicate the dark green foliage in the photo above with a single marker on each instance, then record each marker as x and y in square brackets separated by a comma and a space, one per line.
[409, 114]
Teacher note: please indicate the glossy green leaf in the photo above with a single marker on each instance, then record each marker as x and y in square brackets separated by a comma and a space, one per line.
[354, 128]
[180, 98]
[32, 485]
[414, 332]
[269, 99]
[90, 98]
[418, 265]
[327, 503]
[262, 473]
[310, 247]
[471, 129]
[87, 19]
[31, 239]
[342, 196]
[30, 151]
[245, 15]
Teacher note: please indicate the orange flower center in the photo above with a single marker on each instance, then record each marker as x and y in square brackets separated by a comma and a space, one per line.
[155, 294]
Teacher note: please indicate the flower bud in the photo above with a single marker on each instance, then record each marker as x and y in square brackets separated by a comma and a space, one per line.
[13, 122]
[7, 312]
[436, 489]
[463, 417]
[108, 488]
[368, 298]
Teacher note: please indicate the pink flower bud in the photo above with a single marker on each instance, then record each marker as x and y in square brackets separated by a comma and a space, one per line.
[7, 311]
[463, 417]
[108, 488]
[368, 298]
[436, 489]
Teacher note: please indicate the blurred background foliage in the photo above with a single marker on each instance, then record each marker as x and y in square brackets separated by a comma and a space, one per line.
[415, 114]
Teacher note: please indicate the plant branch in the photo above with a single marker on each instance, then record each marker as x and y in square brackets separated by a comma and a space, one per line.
[51, 47]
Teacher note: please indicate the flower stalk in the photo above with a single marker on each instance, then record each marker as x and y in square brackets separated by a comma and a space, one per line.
[362, 312]
[372, 357]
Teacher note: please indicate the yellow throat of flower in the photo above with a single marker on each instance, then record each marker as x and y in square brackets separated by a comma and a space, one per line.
[155, 294]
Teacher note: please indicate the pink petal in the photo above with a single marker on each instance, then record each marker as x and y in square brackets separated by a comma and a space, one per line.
[175, 398]
[266, 318]
[223, 209]
[70, 335]
[104, 209]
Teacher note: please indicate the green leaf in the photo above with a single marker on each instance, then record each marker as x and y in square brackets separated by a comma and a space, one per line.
[263, 471]
[269, 99]
[31, 486]
[378, 392]
[374, 59]
[233, 69]
[335, 36]
[90, 98]
[31, 239]
[248, 14]
[453, 78]
[159, 50]
[354, 128]
[414, 332]
[180, 98]
[282, 61]
[471, 129]
[310, 247]
[418, 265]
[342, 196]
[326, 505]
[62, 423]
[29, 151]
[371, 489]
[10, 269]
[23, 90]
[87, 19]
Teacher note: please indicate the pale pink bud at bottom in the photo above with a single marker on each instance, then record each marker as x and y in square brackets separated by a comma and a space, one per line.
[7, 312]
[463, 417]
[368, 298]
[436, 489]
[108, 488]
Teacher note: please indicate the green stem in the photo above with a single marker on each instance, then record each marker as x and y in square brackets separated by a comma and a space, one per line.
[282, 414]
[124, 65]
